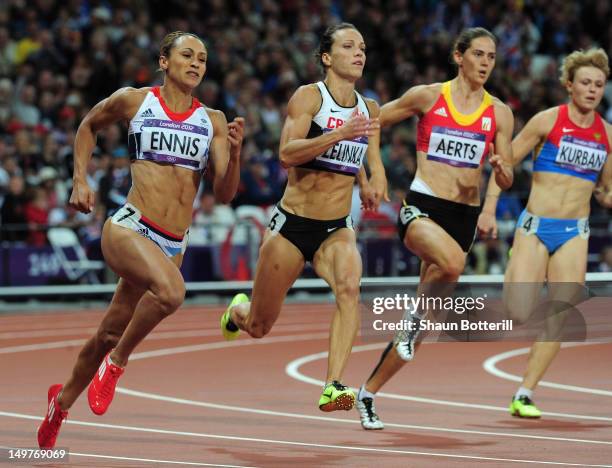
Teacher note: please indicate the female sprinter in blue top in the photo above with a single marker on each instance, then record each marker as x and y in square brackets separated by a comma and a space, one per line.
[571, 162]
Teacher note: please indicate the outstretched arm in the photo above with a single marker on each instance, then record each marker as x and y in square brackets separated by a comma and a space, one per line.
[500, 154]
[416, 100]
[378, 179]
[121, 105]
[603, 189]
[532, 133]
[225, 151]
[502, 176]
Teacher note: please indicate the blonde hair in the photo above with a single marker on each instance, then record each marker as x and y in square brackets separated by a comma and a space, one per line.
[583, 58]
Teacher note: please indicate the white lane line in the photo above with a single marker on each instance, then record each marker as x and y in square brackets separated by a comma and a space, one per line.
[490, 365]
[226, 344]
[149, 460]
[40, 346]
[167, 335]
[156, 335]
[46, 333]
[293, 370]
[301, 444]
[241, 409]
[219, 345]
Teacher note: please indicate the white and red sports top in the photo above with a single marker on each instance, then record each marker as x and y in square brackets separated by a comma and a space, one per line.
[345, 157]
[157, 134]
[462, 140]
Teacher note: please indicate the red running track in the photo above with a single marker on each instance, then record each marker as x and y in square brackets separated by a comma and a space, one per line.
[190, 399]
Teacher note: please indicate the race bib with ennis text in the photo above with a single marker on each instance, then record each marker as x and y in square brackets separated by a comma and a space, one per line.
[173, 142]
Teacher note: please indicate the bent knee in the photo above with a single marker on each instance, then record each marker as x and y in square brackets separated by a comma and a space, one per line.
[517, 313]
[452, 267]
[348, 290]
[170, 297]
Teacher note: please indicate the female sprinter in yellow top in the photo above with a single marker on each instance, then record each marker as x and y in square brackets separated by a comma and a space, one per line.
[460, 125]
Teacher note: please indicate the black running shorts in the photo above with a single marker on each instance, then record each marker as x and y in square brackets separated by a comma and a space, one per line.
[457, 219]
[305, 233]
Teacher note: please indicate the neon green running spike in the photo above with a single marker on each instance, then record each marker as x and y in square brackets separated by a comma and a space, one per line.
[523, 407]
[228, 333]
[336, 397]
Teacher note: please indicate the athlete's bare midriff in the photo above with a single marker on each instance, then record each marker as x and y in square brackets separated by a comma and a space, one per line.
[559, 196]
[458, 184]
[164, 194]
[318, 194]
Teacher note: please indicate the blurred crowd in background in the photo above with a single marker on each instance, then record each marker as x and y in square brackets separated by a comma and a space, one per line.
[59, 58]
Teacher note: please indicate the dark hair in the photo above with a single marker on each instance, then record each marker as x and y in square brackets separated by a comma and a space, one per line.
[327, 39]
[465, 38]
[168, 43]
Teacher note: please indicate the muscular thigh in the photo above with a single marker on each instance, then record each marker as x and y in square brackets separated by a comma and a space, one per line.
[524, 276]
[338, 259]
[528, 261]
[569, 262]
[136, 258]
[278, 266]
[566, 276]
[432, 244]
